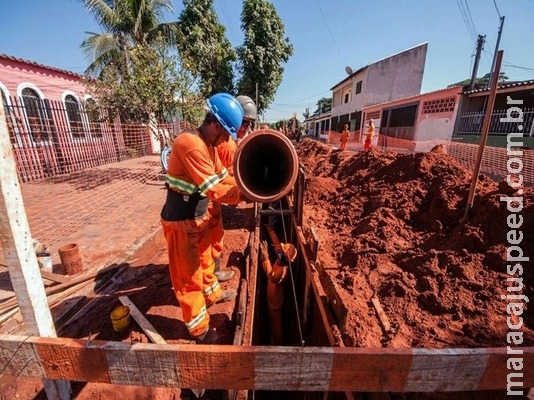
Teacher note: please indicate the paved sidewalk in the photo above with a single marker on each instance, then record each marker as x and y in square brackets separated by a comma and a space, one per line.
[109, 211]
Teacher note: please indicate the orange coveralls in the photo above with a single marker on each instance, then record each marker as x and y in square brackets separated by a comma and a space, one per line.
[226, 152]
[343, 140]
[195, 177]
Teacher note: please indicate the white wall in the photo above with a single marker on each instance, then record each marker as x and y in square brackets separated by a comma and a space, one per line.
[356, 101]
[395, 77]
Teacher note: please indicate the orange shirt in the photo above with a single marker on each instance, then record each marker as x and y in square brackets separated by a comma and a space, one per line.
[195, 167]
[226, 151]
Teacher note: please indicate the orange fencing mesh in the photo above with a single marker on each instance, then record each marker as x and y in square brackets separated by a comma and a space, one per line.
[494, 160]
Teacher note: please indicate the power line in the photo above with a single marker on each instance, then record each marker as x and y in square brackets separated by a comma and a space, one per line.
[497, 8]
[470, 16]
[519, 67]
[470, 27]
[331, 35]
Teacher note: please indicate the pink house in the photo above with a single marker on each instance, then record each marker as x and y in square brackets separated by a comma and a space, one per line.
[50, 128]
[415, 123]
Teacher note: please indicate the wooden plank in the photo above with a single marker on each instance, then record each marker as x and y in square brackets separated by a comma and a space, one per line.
[313, 242]
[252, 279]
[381, 314]
[332, 293]
[54, 277]
[324, 314]
[9, 304]
[145, 325]
[261, 367]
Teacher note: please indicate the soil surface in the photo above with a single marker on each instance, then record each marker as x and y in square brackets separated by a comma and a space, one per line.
[388, 227]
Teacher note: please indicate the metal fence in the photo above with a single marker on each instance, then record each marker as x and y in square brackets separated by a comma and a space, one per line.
[50, 139]
[470, 123]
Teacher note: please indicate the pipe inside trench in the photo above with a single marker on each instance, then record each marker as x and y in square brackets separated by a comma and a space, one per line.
[265, 166]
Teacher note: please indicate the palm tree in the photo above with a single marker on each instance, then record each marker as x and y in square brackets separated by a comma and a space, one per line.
[125, 24]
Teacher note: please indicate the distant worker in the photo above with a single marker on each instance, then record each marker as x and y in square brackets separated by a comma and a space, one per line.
[370, 135]
[344, 137]
[194, 177]
[226, 151]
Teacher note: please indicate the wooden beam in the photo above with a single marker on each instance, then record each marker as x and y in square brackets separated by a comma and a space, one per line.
[381, 314]
[145, 325]
[54, 277]
[11, 303]
[262, 367]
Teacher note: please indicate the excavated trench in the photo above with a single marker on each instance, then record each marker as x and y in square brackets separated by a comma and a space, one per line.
[286, 314]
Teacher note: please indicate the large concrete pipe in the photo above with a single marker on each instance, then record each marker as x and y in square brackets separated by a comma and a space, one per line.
[265, 166]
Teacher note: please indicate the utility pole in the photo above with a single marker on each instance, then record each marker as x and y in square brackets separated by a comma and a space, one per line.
[495, 53]
[482, 143]
[480, 46]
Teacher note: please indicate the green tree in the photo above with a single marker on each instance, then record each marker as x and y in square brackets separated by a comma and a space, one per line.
[126, 24]
[156, 85]
[263, 52]
[480, 80]
[204, 48]
[323, 105]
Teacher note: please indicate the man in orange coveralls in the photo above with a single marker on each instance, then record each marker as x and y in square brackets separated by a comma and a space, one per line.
[344, 137]
[196, 176]
[370, 135]
[226, 151]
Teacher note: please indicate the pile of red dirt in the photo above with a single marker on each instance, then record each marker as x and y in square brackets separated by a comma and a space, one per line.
[389, 227]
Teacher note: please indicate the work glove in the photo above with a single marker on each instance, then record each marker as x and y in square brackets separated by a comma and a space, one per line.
[264, 250]
[278, 273]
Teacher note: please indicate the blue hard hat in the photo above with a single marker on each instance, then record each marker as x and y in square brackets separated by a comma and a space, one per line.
[228, 112]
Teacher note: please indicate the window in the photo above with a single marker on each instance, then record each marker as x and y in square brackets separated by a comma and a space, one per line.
[358, 87]
[37, 115]
[74, 116]
[439, 106]
[346, 98]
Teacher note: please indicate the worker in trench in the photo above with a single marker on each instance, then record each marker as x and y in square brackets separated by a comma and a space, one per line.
[276, 275]
[226, 151]
[195, 177]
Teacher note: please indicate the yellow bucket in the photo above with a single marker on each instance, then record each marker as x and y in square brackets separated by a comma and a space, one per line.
[120, 318]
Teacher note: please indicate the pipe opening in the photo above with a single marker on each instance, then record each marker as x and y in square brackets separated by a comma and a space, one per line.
[266, 166]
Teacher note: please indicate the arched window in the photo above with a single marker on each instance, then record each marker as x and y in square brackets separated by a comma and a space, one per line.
[37, 115]
[75, 116]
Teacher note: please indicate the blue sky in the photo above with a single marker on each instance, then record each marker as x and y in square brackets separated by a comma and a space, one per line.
[327, 35]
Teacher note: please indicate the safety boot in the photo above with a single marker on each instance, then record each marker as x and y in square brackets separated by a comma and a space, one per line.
[222, 276]
[227, 295]
[209, 337]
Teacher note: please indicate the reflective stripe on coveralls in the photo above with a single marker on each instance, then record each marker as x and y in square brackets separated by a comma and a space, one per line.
[195, 167]
[192, 247]
[202, 189]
